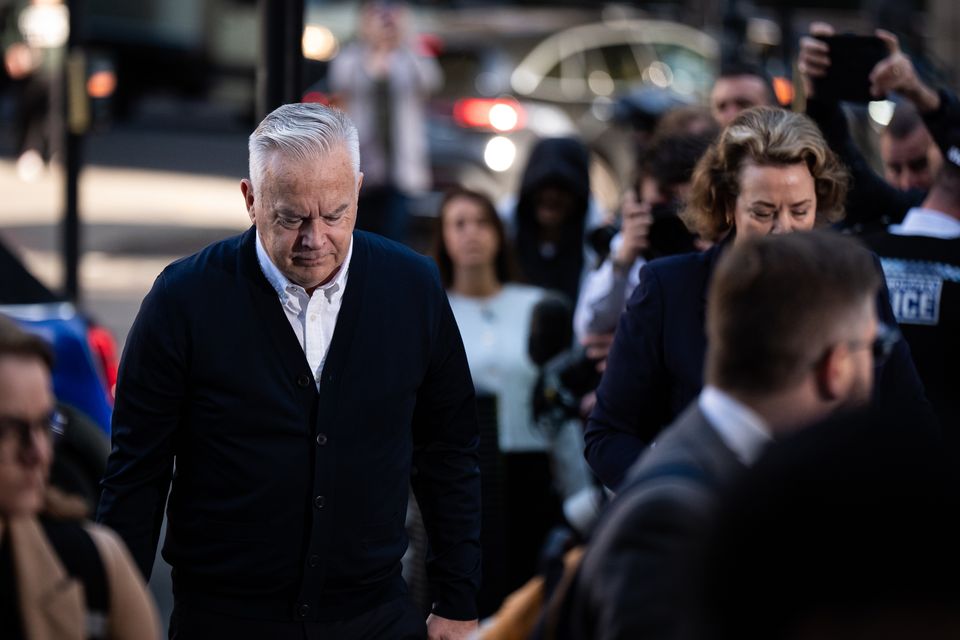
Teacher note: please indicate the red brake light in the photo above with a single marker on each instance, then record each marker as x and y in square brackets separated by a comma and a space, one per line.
[502, 114]
[104, 348]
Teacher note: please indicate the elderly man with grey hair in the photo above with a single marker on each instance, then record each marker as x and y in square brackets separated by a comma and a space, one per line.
[300, 377]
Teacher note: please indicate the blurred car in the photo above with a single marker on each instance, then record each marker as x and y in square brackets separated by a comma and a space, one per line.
[84, 375]
[585, 69]
[515, 75]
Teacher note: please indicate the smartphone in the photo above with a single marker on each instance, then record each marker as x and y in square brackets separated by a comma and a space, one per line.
[852, 58]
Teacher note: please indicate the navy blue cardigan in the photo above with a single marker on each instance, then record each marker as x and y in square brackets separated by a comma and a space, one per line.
[288, 503]
[655, 366]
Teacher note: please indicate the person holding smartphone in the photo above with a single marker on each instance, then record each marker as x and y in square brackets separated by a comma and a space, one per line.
[871, 199]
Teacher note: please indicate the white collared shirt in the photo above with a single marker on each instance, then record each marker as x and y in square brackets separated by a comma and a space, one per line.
[740, 428]
[927, 222]
[312, 317]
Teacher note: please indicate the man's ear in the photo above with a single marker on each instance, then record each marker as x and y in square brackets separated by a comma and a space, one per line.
[246, 188]
[833, 372]
[359, 183]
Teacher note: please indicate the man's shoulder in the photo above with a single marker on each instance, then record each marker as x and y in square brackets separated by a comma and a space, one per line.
[684, 451]
[388, 257]
[210, 262]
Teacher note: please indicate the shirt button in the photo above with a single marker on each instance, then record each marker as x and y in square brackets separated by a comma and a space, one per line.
[321, 439]
[303, 380]
[319, 502]
[314, 560]
[303, 610]
[313, 316]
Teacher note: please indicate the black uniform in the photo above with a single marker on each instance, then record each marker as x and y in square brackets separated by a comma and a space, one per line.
[923, 275]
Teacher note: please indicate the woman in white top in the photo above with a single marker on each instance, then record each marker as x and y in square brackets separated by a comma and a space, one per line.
[494, 315]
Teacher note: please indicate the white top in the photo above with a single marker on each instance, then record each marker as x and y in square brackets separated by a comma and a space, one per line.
[495, 332]
[927, 222]
[740, 428]
[604, 295]
[313, 317]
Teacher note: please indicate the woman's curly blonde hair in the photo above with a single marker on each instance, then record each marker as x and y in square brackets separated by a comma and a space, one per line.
[765, 136]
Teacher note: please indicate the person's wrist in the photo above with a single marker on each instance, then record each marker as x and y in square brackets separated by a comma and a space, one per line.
[926, 99]
[621, 263]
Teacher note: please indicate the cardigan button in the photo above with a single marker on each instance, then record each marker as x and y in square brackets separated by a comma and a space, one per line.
[321, 439]
[303, 610]
[319, 502]
[314, 560]
[303, 380]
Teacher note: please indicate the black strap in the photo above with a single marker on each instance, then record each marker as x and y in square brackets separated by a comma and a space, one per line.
[82, 560]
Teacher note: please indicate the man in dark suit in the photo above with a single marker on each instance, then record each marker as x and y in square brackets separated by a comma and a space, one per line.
[301, 375]
[792, 324]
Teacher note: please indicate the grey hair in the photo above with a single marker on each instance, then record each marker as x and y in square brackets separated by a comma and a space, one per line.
[302, 131]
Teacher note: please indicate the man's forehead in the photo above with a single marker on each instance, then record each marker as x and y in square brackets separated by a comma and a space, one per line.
[916, 143]
[745, 83]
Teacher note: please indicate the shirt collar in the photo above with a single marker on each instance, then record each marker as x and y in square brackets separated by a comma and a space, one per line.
[927, 222]
[287, 290]
[739, 426]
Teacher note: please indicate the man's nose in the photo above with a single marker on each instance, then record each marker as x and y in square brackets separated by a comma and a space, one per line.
[310, 235]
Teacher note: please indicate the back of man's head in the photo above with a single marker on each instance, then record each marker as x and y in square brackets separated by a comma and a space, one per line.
[778, 303]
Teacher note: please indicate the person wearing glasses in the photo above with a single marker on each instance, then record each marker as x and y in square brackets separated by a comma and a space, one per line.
[793, 337]
[769, 172]
[60, 577]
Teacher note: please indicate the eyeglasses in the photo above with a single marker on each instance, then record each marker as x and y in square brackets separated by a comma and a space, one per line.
[23, 430]
[882, 346]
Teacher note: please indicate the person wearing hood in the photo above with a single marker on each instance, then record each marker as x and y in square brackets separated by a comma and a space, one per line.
[551, 215]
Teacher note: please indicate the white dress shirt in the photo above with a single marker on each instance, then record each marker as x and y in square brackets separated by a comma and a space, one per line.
[927, 222]
[740, 428]
[312, 317]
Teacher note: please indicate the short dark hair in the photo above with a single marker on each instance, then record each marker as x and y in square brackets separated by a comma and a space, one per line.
[505, 261]
[777, 302]
[670, 159]
[734, 68]
[14, 341]
[906, 119]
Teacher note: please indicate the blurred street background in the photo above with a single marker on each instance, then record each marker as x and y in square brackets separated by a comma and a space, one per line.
[142, 109]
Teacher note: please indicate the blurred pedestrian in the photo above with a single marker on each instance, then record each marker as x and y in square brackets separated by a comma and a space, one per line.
[301, 376]
[32, 54]
[60, 576]
[910, 157]
[739, 86]
[770, 172]
[921, 261]
[872, 199]
[792, 326]
[383, 81]
[550, 217]
[495, 314]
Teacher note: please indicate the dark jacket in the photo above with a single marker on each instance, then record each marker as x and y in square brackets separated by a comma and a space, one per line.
[289, 503]
[655, 366]
[631, 582]
[562, 163]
